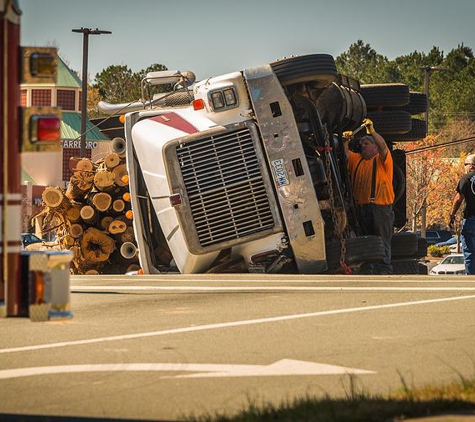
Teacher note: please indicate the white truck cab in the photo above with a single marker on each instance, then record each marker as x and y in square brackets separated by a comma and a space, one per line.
[245, 171]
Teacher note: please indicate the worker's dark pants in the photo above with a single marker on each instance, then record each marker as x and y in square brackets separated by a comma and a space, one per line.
[468, 244]
[378, 220]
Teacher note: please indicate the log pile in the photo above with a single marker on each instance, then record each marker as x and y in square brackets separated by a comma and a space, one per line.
[92, 216]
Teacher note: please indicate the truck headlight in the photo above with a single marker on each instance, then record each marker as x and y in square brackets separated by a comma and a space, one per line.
[217, 100]
[230, 97]
[222, 99]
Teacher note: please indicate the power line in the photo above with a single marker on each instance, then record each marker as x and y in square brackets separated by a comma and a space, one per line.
[444, 145]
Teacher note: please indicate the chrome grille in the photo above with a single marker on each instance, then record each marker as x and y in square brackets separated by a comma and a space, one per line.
[225, 187]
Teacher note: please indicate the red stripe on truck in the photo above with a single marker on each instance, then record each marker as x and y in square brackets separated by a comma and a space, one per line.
[175, 121]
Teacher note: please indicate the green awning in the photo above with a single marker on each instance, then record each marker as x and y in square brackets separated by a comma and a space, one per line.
[71, 128]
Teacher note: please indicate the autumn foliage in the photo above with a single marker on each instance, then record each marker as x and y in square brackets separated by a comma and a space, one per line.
[431, 178]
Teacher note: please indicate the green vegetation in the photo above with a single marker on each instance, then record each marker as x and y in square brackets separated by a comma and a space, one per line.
[438, 251]
[452, 92]
[455, 398]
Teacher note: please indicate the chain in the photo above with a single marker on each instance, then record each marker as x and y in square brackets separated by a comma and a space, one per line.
[338, 230]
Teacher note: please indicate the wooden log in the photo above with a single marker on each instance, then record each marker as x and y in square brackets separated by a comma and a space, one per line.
[126, 196]
[128, 235]
[104, 180]
[118, 205]
[105, 222]
[119, 172]
[73, 214]
[84, 164]
[88, 214]
[53, 197]
[111, 160]
[91, 272]
[76, 231]
[96, 246]
[79, 185]
[68, 241]
[101, 201]
[117, 227]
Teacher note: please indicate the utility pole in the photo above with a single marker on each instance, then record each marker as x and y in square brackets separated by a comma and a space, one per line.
[85, 46]
[427, 73]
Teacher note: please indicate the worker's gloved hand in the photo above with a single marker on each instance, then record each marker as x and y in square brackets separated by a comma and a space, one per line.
[348, 135]
[369, 126]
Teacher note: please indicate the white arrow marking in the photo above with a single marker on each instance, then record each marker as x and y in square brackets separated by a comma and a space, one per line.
[279, 368]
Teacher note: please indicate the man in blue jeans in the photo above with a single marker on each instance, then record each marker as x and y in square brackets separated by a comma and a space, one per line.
[466, 192]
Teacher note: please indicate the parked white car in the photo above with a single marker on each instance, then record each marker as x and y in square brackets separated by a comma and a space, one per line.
[451, 264]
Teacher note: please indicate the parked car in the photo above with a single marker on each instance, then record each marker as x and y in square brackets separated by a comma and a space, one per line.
[436, 236]
[29, 238]
[451, 264]
[451, 241]
[453, 248]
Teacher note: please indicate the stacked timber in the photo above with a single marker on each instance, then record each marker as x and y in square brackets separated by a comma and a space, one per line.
[92, 216]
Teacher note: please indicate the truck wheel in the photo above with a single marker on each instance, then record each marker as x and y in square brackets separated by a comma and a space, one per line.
[405, 266]
[404, 245]
[417, 104]
[385, 95]
[388, 122]
[421, 247]
[418, 132]
[318, 68]
[423, 270]
[358, 250]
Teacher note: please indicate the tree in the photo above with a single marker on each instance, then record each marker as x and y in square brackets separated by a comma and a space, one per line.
[118, 84]
[363, 63]
[429, 183]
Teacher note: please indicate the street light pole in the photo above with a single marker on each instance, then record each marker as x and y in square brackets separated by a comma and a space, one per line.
[427, 73]
[85, 47]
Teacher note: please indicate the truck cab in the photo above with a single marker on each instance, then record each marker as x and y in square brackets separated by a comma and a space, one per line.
[246, 171]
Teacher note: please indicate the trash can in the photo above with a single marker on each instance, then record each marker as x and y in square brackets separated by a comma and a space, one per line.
[48, 285]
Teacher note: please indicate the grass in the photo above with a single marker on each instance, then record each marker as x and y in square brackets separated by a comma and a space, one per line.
[457, 397]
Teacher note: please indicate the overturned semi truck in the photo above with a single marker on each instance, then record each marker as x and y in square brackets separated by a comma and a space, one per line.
[246, 172]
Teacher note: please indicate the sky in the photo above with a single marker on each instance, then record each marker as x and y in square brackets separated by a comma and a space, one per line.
[213, 37]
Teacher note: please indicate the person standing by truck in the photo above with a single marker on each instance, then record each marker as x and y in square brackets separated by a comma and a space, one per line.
[371, 175]
[466, 192]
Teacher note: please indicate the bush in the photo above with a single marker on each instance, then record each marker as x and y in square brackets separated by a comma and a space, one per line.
[438, 251]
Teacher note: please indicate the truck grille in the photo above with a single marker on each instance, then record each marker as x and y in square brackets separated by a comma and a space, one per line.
[225, 187]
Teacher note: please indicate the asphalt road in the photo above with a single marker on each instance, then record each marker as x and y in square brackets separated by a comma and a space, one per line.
[163, 347]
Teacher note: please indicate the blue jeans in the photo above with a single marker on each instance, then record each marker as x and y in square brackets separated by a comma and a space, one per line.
[468, 244]
[378, 220]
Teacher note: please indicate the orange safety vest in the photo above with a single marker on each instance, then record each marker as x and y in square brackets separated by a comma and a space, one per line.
[361, 175]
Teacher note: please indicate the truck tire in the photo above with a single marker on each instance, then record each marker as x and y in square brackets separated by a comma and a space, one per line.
[423, 270]
[405, 266]
[417, 104]
[358, 250]
[404, 245]
[418, 132]
[318, 68]
[389, 122]
[385, 95]
[421, 247]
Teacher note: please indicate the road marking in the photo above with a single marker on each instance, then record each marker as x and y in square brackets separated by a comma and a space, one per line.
[231, 324]
[280, 368]
[275, 288]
